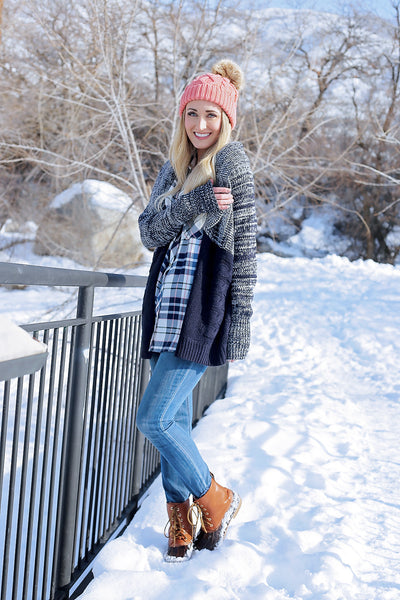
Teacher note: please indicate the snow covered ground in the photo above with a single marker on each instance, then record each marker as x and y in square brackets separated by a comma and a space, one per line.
[308, 434]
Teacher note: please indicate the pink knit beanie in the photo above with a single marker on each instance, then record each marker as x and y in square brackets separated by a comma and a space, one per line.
[221, 86]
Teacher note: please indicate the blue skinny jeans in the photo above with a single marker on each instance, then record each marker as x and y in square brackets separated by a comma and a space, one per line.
[165, 418]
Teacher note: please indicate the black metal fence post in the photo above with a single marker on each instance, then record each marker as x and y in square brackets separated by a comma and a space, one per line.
[69, 484]
[53, 506]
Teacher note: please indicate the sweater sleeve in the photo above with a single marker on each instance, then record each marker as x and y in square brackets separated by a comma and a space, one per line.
[239, 178]
[159, 225]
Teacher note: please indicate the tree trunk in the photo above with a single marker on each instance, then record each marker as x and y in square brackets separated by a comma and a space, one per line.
[1, 16]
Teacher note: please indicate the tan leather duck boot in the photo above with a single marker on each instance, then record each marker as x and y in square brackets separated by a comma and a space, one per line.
[180, 532]
[217, 507]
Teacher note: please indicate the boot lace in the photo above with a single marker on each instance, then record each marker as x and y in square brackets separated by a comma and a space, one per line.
[198, 514]
[174, 527]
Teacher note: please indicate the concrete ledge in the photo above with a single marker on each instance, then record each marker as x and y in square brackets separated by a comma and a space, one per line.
[20, 354]
[26, 365]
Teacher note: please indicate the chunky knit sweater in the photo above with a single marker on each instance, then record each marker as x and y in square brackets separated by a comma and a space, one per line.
[216, 327]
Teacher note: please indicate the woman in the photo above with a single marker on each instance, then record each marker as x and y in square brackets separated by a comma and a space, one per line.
[197, 304]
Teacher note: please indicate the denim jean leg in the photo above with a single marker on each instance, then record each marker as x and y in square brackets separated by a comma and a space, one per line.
[161, 416]
[174, 487]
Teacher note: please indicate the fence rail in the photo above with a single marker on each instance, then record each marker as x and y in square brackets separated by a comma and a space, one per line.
[73, 465]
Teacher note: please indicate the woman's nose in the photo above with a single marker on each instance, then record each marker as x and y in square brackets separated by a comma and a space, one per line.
[202, 123]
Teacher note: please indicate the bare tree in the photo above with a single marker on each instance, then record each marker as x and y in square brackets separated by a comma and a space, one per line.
[93, 88]
[336, 53]
[374, 176]
[1, 16]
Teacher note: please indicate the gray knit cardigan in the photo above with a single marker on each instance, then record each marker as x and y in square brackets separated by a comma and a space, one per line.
[229, 258]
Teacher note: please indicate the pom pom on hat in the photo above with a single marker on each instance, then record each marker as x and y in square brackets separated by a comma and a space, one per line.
[221, 86]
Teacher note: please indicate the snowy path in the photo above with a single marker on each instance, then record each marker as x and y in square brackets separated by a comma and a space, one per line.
[309, 436]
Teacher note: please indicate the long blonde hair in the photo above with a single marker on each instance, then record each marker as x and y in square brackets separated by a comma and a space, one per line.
[182, 151]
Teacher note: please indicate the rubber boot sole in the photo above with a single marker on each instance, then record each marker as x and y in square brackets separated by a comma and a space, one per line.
[187, 553]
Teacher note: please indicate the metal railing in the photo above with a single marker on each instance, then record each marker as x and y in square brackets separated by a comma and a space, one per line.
[73, 466]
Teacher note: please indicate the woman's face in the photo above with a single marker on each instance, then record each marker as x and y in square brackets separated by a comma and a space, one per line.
[202, 123]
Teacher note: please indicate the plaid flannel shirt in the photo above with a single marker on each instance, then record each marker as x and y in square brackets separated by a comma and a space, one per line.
[173, 287]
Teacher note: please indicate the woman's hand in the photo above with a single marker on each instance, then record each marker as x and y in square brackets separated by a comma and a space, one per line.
[224, 197]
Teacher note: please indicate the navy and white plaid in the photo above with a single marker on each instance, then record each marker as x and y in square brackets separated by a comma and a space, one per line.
[173, 287]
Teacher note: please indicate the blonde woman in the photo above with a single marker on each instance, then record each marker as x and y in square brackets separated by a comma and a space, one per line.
[197, 304]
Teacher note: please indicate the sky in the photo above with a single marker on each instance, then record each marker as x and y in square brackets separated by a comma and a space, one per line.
[383, 8]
